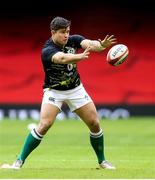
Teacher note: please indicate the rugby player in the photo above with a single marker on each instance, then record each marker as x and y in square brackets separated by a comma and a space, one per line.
[62, 84]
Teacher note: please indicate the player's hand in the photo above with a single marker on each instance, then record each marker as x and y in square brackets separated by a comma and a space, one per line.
[107, 41]
[86, 53]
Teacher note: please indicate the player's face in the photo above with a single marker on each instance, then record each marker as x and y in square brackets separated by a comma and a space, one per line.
[60, 36]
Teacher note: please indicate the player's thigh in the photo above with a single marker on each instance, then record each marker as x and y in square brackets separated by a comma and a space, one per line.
[48, 114]
[88, 114]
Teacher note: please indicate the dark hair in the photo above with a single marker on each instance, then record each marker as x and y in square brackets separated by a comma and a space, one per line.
[59, 23]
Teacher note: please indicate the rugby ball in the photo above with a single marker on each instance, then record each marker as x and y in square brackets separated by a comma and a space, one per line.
[117, 54]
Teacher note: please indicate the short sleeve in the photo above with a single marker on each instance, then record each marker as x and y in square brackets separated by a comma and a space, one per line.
[76, 39]
[47, 53]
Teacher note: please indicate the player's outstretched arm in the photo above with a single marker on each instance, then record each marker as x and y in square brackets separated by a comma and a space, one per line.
[65, 58]
[98, 45]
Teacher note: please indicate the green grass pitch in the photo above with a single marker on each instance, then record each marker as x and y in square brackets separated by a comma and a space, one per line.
[65, 152]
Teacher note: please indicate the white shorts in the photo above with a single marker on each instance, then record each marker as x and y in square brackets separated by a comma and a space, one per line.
[74, 98]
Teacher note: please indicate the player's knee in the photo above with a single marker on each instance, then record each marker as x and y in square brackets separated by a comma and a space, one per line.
[43, 126]
[94, 123]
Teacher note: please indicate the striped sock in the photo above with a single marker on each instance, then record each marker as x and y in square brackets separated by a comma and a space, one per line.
[97, 142]
[36, 135]
[32, 141]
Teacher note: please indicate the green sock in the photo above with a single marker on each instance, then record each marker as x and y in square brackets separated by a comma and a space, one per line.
[97, 142]
[31, 142]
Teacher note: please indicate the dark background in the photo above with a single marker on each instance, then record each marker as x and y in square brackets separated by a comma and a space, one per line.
[48, 7]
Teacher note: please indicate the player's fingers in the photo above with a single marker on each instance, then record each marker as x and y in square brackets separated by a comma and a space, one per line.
[87, 49]
[111, 36]
[86, 55]
[114, 39]
[106, 38]
[101, 42]
[113, 42]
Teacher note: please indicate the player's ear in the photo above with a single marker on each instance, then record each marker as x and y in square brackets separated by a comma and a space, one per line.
[53, 32]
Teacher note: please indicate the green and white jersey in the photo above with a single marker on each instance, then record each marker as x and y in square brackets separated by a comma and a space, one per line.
[61, 76]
